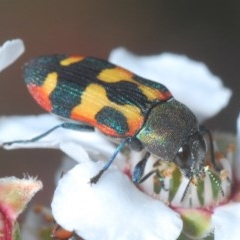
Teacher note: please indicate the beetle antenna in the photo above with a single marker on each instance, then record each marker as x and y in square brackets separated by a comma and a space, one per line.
[211, 175]
[215, 180]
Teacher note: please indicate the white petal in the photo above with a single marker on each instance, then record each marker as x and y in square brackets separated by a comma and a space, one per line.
[26, 127]
[190, 81]
[10, 51]
[73, 143]
[112, 209]
[66, 165]
[226, 221]
[75, 151]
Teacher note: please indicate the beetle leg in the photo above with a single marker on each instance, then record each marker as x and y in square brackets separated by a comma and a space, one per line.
[139, 169]
[147, 176]
[186, 190]
[66, 125]
[108, 164]
[159, 176]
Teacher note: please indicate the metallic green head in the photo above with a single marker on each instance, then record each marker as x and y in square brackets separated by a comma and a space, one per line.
[171, 132]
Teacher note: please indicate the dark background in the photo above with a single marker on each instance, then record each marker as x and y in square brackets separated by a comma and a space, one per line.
[207, 31]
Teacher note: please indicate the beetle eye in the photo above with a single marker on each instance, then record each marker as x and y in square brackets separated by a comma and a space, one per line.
[183, 160]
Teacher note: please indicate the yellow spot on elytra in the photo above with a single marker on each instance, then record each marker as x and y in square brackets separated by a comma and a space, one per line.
[50, 83]
[115, 75]
[88, 106]
[70, 60]
[151, 93]
[94, 99]
[119, 74]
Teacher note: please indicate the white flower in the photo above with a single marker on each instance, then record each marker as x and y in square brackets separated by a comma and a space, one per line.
[10, 51]
[114, 208]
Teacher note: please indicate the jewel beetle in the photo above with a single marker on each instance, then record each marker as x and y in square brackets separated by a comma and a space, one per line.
[127, 108]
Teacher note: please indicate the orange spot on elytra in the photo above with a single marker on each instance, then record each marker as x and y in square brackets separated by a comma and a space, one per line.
[40, 95]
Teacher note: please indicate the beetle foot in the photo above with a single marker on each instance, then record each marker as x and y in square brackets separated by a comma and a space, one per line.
[6, 144]
[95, 179]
